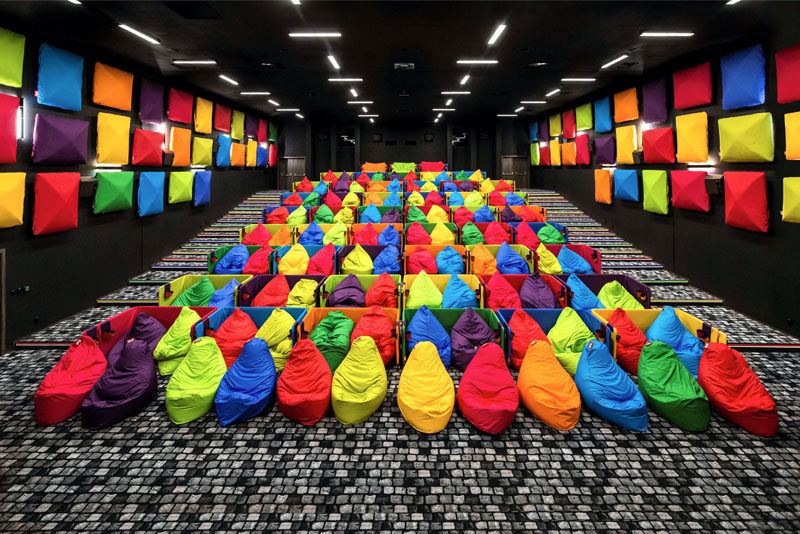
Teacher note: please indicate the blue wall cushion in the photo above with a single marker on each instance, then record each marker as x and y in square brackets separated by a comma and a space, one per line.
[202, 188]
[602, 115]
[743, 78]
[533, 131]
[224, 151]
[626, 184]
[60, 78]
[261, 156]
[151, 193]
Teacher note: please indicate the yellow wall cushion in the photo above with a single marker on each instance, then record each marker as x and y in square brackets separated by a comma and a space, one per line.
[203, 113]
[746, 138]
[626, 144]
[692, 134]
[113, 138]
[12, 198]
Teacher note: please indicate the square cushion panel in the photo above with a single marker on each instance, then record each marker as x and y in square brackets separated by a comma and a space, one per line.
[568, 123]
[261, 156]
[9, 108]
[689, 190]
[583, 117]
[792, 127]
[692, 134]
[222, 118]
[261, 132]
[60, 81]
[250, 126]
[746, 201]
[626, 144]
[203, 111]
[533, 131]
[582, 156]
[692, 86]
[626, 184]
[59, 140]
[12, 53]
[180, 144]
[544, 156]
[544, 130]
[113, 87]
[55, 203]
[787, 73]
[655, 191]
[604, 150]
[223, 151]
[202, 151]
[568, 153]
[272, 132]
[602, 186]
[743, 78]
[654, 101]
[180, 186]
[237, 155]
[114, 192]
[659, 146]
[790, 211]
[147, 148]
[251, 153]
[150, 197]
[534, 154]
[113, 138]
[746, 138]
[201, 194]
[12, 198]
[555, 125]
[151, 102]
[602, 115]
[179, 106]
[237, 125]
[555, 153]
[626, 105]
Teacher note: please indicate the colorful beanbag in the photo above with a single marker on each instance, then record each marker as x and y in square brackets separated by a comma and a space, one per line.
[303, 294]
[425, 327]
[501, 294]
[312, 235]
[323, 215]
[569, 336]
[332, 337]
[437, 215]
[322, 262]
[347, 294]
[388, 261]
[571, 262]
[277, 216]
[630, 341]
[482, 260]
[274, 294]
[415, 215]
[382, 292]
[423, 292]
[457, 199]
[524, 235]
[376, 324]
[225, 297]
[546, 261]
[449, 261]
[277, 332]
[483, 215]
[495, 234]
[469, 333]
[295, 261]
[359, 383]
[371, 214]
[549, 235]
[487, 394]
[197, 294]
[337, 235]
[457, 294]
[462, 216]
[421, 260]
[248, 386]
[193, 385]
[233, 333]
[546, 389]
[535, 293]
[297, 217]
[471, 235]
[509, 216]
[392, 216]
[425, 393]
[304, 387]
[417, 235]
[389, 236]
[366, 236]
[442, 235]
[176, 342]
[259, 261]
[524, 331]
[510, 262]
[582, 297]
[668, 329]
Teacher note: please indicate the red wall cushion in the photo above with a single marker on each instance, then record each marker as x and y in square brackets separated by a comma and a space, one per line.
[787, 71]
[8, 128]
[746, 201]
[272, 158]
[568, 124]
[222, 118]
[582, 155]
[180, 106]
[261, 134]
[692, 86]
[544, 156]
[659, 146]
[689, 190]
[147, 147]
[55, 205]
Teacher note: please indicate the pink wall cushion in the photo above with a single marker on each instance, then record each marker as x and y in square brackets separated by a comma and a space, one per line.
[222, 118]
[55, 205]
[692, 86]
[582, 156]
[746, 201]
[689, 190]
[180, 106]
[659, 146]
[787, 71]
[8, 128]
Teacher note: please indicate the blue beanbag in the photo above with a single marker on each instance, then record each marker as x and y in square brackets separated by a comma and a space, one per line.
[392, 200]
[201, 194]
[602, 115]
[371, 214]
[442, 177]
[234, 261]
[509, 262]
[483, 214]
[626, 184]
[388, 261]
[743, 78]
[312, 235]
[394, 186]
[224, 297]
[321, 188]
[607, 390]
[457, 294]
[513, 199]
[572, 262]
[450, 187]
[582, 296]
[424, 327]
[150, 197]
[668, 329]
[449, 261]
[60, 78]
[248, 386]
[389, 236]
[455, 199]
[224, 151]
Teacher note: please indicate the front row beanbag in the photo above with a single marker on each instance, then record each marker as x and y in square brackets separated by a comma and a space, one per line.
[233, 333]
[630, 340]
[63, 389]
[669, 388]
[607, 390]
[546, 389]
[425, 327]
[569, 336]
[175, 344]
[359, 383]
[376, 324]
[304, 387]
[735, 392]
[668, 329]
[469, 333]
[277, 332]
[248, 386]
[425, 393]
[524, 330]
[193, 385]
[331, 336]
[487, 394]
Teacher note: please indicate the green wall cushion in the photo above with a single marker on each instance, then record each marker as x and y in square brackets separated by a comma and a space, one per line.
[114, 191]
[180, 186]
[12, 52]
[655, 191]
[583, 117]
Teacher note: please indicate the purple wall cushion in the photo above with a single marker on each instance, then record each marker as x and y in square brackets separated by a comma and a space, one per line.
[59, 140]
[151, 102]
[467, 335]
[604, 150]
[348, 294]
[654, 97]
[251, 126]
[535, 293]
[544, 130]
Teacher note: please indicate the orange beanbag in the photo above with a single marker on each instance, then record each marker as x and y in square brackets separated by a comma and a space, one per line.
[547, 390]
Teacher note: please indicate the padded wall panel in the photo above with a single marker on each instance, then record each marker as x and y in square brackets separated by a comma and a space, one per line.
[626, 105]
[113, 138]
[9, 106]
[658, 145]
[12, 54]
[113, 87]
[222, 118]
[692, 135]
[151, 102]
[60, 80]
[626, 144]
[59, 140]
[689, 190]
[203, 112]
[179, 107]
[747, 138]
[746, 201]
[743, 78]
[787, 73]
[692, 86]
[147, 148]
[602, 115]
[12, 198]
[180, 144]
[654, 101]
[55, 204]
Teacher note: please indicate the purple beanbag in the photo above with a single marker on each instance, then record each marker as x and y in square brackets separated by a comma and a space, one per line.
[348, 294]
[341, 186]
[509, 216]
[466, 185]
[535, 293]
[392, 216]
[467, 336]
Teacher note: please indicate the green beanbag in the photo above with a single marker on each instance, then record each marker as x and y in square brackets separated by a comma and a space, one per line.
[460, 176]
[423, 292]
[297, 217]
[311, 200]
[277, 332]
[198, 294]
[655, 192]
[470, 235]
[193, 385]
[568, 337]
[332, 338]
[612, 295]
[323, 215]
[403, 168]
[415, 215]
[174, 345]
[359, 383]
[549, 235]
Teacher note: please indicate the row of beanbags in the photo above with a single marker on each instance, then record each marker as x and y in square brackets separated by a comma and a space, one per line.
[505, 261]
[350, 293]
[369, 236]
[459, 345]
[496, 198]
[567, 262]
[378, 260]
[278, 294]
[310, 199]
[297, 261]
[425, 292]
[334, 334]
[521, 214]
[282, 215]
[446, 261]
[326, 215]
[261, 236]
[372, 214]
[203, 293]
[432, 198]
[533, 293]
[611, 296]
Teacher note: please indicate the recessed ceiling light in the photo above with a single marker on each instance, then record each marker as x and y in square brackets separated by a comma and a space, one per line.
[477, 61]
[455, 92]
[228, 79]
[255, 93]
[345, 79]
[439, 116]
[295, 2]
[728, 3]
[444, 109]
[533, 102]
[354, 92]
[464, 80]
[506, 114]
[334, 62]
[436, 119]
[368, 115]
[359, 102]
[312, 35]
[372, 120]
[537, 64]
[139, 34]
[578, 79]
[449, 101]
[297, 114]
[553, 92]
[364, 109]
[666, 34]
[519, 109]
[287, 109]
[75, 2]
[273, 102]
[194, 62]
[497, 32]
[614, 61]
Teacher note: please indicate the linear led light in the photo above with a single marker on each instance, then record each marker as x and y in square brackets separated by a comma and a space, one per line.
[139, 34]
[299, 116]
[368, 115]
[334, 62]
[553, 92]
[439, 116]
[75, 2]
[476, 61]
[728, 3]
[255, 93]
[313, 35]
[614, 61]
[533, 102]
[455, 92]
[506, 114]
[287, 109]
[519, 109]
[20, 127]
[364, 109]
[372, 120]
[228, 79]
[444, 109]
[193, 62]
[295, 2]
[449, 101]
[345, 79]
[464, 80]
[359, 102]
[666, 34]
[273, 102]
[496, 35]
[578, 79]
[436, 119]
[354, 92]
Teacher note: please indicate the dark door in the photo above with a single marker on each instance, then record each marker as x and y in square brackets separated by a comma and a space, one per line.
[290, 170]
[516, 168]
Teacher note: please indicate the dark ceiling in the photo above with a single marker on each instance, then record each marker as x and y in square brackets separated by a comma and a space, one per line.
[573, 38]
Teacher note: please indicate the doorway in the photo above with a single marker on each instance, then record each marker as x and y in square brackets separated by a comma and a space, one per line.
[517, 168]
[291, 169]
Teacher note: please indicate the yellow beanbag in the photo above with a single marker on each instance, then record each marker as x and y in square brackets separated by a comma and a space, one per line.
[277, 332]
[442, 235]
[423, 292]
[351, 199]
[425, 393]
[359, 384]
[357, 262]
[336, 235]
[486, 186]
[437, 214]
[344, 216]
[415, 199]
[295, 261]
[547, 261]
[302, 294]
[428, 187]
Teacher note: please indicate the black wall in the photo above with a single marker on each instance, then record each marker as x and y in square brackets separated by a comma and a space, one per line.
[755, 273]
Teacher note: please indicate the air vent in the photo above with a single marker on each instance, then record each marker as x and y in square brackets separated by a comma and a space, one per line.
[403, 66]
[391, 143]
[193, 10]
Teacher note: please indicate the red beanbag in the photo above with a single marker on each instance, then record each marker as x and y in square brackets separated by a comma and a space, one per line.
[147, 148]
[329, 176]
[258, 262]
[501, 294]
[411, 187]
[222, 118]
[63, 389]
[410, 177]
[746, 201]
[233, 333]
[462, 216]
[9, 107]
[332, 200]
[434, 198]
[502, 185]
[689, 190]
[277, 216]
[421, 260]
[274, 294]
[416, 235]
[322, 261]
[487, 393]
[55, 204]
[496, 198]
[528, 214]
[630, 341]
[304, 386]
[544, 156]
[305, 186]
[366, 236]
[292, 200]
[692, 86]
[524, 329]
[376, 325]
[524, 235]
[262, 131]
[659, 146]
[363, 180]
[431, 166]
[382, 292]
[495, 234]
[260, 235]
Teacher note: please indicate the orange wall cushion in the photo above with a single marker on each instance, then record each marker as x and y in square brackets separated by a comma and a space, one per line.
[112, 87]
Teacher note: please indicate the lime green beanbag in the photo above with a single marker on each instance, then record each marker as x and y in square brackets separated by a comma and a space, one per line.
[277, 332]
[546, 261]
[336, 235]
[423, 292]
[359, 384]
[474, 200]
[568, 337]
[612, 295]
[669, 388]
[655, 192]
[198, 294]
[174, 345]
[193, 385]
[357, 262]
[302, 294]
[297, 217]
[332, 338]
